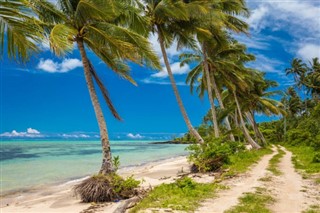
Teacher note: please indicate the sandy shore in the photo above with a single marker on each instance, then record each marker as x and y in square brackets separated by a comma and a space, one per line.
[60, 198]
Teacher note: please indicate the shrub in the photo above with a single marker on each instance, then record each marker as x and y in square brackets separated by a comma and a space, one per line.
[298, 137]
[211, 155]
[316, 158]
[316, 143]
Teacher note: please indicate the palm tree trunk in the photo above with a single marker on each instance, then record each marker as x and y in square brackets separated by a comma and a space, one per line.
[244, 128]
[218, 95]
[209, 90]
[255, 127]
[106, 166]
[176, 92]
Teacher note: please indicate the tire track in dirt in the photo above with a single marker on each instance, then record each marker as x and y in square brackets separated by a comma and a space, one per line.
[237, 186]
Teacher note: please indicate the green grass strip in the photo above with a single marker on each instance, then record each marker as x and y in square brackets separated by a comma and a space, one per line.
[253, 202]
[183, 195]
[240, 162]
[303, 159]
[275, 160]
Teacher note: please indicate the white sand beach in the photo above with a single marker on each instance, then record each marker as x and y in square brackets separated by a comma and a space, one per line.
[60, 198]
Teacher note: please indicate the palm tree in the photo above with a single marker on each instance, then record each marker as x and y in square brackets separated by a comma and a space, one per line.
[259, 99]
[209, 30]
[169, 19]
[98, 26]
[19, 30]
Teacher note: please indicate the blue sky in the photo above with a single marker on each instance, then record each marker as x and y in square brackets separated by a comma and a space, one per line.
[48, 97]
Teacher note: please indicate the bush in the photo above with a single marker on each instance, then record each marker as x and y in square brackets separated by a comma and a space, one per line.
[298, 137]
[316, 158]
[211, 155]
[316, 143]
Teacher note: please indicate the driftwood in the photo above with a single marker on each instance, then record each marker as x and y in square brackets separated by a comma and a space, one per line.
[127, 204]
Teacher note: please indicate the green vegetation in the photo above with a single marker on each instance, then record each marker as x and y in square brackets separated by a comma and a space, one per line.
[273, 163]
[253, 202]
[241, 161]
[304, 158]
[299, 130]
[184, 195]
[117, 32]
[313, 209]
[102, 188]
[212, 155]
[107, 187]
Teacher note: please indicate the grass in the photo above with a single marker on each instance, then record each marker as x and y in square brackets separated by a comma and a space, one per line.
[241, 162]
[313, 209]
[303, 159]
[184, 195]
[273, 163]
[253, 203]
[266, 179]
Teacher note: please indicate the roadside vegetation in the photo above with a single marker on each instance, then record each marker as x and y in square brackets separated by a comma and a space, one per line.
[230, 139]
[274, 162]
[257, 201]
[184, 194]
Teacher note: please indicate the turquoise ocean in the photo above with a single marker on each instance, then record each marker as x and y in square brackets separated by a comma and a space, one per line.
[32, 164]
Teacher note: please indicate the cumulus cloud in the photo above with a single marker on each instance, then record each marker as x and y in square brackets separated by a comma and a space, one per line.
[309, 51]
[175, 68]
[30, 133]
[134, 136]
[66, 65]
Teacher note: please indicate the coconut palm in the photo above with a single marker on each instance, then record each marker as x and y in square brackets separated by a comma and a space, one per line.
[258, 98]
[209, 31]
[169, 21]
[97, 26]
[19, 30]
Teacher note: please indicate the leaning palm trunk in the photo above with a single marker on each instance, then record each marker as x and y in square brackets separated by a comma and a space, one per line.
[209, 90]
[176, 92]
[244, 128]
[255, 127]
[218, 95]
[106, 166]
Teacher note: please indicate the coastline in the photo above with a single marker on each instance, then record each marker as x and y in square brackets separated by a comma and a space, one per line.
[60, 198]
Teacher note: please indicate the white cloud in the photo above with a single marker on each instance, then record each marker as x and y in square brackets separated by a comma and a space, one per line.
[256, 20]
[134, 136]
[175, 68]
[70, 64]
[66, 65]
[309, 51]
[254, 41]
[171, 51]
[30, 133]
[75, 135]
[293, 15]
[266, 64]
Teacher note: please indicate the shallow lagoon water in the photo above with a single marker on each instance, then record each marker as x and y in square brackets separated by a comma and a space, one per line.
[29, 164]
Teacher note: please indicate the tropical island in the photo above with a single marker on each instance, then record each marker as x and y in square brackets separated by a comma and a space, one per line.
[231, 161]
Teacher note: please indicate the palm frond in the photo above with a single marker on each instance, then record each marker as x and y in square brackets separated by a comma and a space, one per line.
[62, 38]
